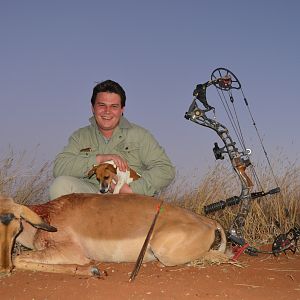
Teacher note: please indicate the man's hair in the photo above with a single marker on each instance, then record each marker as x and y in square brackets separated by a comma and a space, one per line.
[109, 86]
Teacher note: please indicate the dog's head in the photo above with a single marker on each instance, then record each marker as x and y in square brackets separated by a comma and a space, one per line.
[105, 173]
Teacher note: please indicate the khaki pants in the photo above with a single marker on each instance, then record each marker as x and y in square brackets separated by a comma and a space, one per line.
[64, 185]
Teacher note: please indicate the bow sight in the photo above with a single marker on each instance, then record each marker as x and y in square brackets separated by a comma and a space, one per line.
[225, 82]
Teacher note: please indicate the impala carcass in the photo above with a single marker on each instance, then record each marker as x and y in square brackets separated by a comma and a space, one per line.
[101, 228]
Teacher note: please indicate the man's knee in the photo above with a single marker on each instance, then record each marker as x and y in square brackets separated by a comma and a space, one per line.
[61, 185]
[64, 185]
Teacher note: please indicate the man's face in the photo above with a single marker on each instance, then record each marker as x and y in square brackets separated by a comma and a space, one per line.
[107, 111]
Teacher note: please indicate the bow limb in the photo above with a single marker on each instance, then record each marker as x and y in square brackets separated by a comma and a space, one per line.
[236, 230]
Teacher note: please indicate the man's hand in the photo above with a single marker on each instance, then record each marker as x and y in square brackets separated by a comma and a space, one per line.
[118, 160]
[126, 189]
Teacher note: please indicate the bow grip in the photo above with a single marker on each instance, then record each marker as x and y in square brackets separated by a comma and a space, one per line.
[241, 168]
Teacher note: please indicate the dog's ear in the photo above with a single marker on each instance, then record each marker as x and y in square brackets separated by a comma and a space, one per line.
[111, 168]
[92, 171]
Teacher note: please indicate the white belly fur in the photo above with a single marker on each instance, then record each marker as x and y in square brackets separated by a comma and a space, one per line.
[126, 250]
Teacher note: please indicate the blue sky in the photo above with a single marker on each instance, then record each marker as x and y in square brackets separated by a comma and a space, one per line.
[53, 52]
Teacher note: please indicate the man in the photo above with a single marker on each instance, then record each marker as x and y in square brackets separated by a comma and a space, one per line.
[111, 137]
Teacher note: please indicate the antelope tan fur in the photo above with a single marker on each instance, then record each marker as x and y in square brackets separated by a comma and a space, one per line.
[94, 228]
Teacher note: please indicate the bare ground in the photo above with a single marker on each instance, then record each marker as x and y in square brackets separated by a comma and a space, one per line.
[261, 277]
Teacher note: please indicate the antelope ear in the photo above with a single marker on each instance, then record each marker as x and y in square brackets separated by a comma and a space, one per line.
[92, 171]
[34, 219]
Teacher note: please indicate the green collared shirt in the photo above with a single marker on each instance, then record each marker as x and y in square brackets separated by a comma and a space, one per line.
[132, 142]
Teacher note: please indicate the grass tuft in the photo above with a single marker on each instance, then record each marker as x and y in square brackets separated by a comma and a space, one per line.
[269, 216]
[20, 179]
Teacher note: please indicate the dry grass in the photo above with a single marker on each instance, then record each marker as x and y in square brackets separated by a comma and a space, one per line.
[269, 216]
[214, 257]
[20, 179]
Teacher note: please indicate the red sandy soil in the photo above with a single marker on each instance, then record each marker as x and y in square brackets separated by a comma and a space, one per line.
[260, 277]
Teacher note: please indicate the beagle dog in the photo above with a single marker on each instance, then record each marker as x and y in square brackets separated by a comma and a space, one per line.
[105, 174]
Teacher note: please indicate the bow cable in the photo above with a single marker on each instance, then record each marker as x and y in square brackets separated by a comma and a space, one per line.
[235, 123]
[259, 137]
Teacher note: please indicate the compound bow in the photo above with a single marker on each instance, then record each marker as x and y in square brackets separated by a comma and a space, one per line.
[225, 81]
